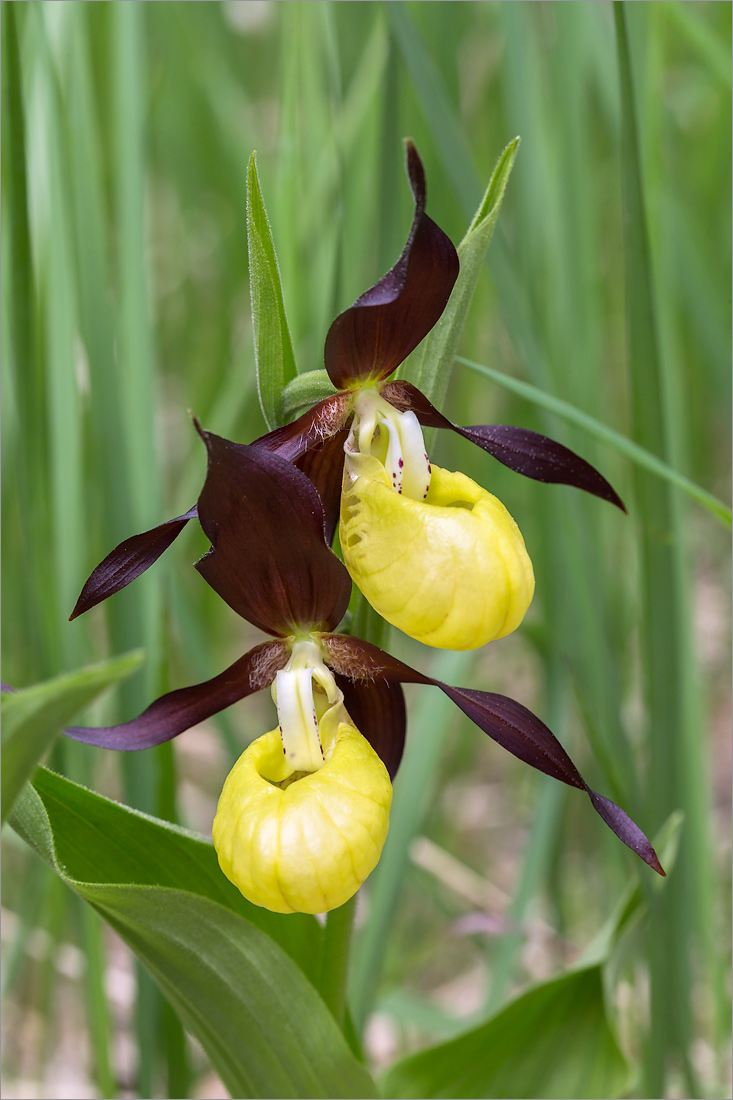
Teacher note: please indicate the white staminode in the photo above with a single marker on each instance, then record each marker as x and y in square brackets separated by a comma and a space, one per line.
[396, 439]
[300, 708]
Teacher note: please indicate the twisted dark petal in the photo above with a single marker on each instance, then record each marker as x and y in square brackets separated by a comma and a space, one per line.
[323, 466]
[127, 561]
[523, 734]
[309, 430]
[521, 450]
[626, 829]
[388, 321]
[179, 710]
[269, 559]
[378, 710]
[507, 722]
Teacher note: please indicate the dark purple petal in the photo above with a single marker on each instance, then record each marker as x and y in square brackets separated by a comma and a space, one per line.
[388, 321]
[127, 561]
[516, 729]
[523, 734]
[378, 711]
[543, 459]
[312, 428]
[179, 710]
[507, 722]
[269, 559]
[626, 830]
[521, 450]
[323, 466]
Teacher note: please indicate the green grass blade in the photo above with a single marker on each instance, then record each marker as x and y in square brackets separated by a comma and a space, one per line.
[448, 132]
[676, 777]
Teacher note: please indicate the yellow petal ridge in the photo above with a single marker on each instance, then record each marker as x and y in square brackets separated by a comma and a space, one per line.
[308, 845]
[451, 571]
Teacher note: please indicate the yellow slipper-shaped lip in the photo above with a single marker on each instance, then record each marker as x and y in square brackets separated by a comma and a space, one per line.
[303, 845]
[451, 571]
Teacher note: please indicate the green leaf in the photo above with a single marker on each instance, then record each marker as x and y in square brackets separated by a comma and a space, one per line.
[431, 371]
[305, 390]
[225, 965]
[598, 430]
[554, 1041]
[274, 356]
[33, 717]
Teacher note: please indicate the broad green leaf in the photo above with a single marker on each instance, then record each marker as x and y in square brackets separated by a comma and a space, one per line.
[593, 427]
[34, 716]
[554, 1041]
[97, 840]
[274, 356]
[261, 1022]
[430, 370]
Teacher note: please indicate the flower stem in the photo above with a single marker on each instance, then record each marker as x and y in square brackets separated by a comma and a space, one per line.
[335, 958]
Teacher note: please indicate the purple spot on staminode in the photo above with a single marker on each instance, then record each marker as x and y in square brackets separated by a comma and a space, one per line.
[430, 468]
[400, 463]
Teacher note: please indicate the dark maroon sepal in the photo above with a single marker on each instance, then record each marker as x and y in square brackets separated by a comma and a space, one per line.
[507, 722]
[127, 561]
[323, 466]
[523, 734]
[269, 559]
[378, 710]
[516, 729]
[309, 430]
[179, 710]
[521, 450]
[388, 321]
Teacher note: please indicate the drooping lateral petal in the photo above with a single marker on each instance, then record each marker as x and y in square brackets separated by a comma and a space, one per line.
[523, 451]
[269, 559]
[309, 430]
[516, 729]
[378, 711]
[323, 466]
[523, 734]
[507, 722]
[386, 323]
[179, 710]
[127, 561]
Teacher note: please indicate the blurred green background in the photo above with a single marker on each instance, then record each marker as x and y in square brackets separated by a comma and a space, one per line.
[127, 132]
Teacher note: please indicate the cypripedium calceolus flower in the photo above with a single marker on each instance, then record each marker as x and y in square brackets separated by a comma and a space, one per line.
[434, 553]
[304, 812]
